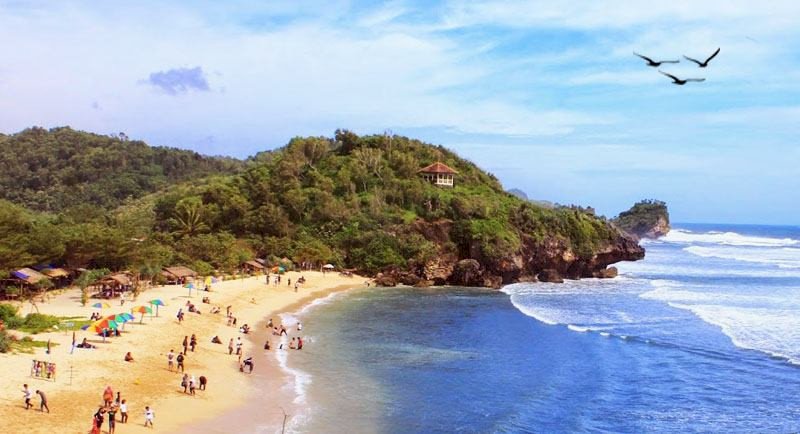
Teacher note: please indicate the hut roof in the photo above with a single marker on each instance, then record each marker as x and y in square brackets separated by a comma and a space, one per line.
[254, 264]
[437, 167]
[28, 275]
[261, 261]
[180, 271]
[55, 272]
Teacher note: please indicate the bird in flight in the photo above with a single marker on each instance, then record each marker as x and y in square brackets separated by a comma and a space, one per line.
[653, 63]
[681, 82]
[703, 64]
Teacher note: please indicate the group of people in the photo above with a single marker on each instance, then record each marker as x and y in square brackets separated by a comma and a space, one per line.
[43, 369]
[189, 383]
[111, 406]
[27, 395]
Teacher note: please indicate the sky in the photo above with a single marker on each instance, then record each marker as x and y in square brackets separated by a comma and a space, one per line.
[546, 95]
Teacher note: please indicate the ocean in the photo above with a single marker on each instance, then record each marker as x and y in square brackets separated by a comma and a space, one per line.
[701, 336]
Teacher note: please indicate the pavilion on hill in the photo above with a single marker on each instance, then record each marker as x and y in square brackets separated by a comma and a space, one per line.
[438, 174]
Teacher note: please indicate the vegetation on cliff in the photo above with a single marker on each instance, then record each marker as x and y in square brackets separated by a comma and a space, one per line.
[355, 201]
[646, 219]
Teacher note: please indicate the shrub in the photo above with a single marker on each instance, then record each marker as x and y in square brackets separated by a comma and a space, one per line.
[5, 341]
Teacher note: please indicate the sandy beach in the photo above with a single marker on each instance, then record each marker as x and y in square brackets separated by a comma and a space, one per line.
[83, 375]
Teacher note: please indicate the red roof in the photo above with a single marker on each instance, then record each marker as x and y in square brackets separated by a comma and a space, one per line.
[437, 168]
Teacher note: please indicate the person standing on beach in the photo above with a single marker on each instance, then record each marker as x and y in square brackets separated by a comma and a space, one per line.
[26, 393]
[123, 411]
[193, 342]
[170, 356]
[203, 382]
[185, 382]
[149, 415]
[238, 346]
[108, 396]
[192, 384]
[180, 362]
[43, 403]
[269, 324]
[112, 419]
[185, 344]
[230, 347]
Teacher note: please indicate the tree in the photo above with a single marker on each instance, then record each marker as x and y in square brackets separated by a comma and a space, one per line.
[188, 218]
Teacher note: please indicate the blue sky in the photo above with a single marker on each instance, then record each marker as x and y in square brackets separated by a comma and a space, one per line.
[545, 95]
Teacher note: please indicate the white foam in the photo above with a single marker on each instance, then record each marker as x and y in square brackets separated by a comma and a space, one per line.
[578, 329]
[670, 291]
[682, 236]
[772, 331]
[785, 257]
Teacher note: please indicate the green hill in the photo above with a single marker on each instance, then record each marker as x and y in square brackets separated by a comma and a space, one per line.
[52, 170]
[358, 202]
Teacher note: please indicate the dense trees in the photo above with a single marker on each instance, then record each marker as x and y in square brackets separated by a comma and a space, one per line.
[350, 200]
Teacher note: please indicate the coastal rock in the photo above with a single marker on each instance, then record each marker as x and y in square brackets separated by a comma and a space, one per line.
[550, 275]
[467, 272]
[646, 219]
[607, 273]
[409, 279]
[385, 280]
[423, 284]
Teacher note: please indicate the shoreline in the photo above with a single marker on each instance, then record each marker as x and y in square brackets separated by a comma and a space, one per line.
[273, 378]
[147, 380]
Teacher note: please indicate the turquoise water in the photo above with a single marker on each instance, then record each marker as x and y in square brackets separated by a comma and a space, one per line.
[702, 336]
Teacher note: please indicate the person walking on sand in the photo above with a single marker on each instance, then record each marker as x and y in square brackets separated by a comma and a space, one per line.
[149, 415]
[112, 419]
[170, 356]
[230, 347]
[192, 384]
[193, 342]
[185, 382]
[185, 344]
[108, 396]
[43, 403]
[123, 411]
[26, 393]
[238, 346]
[203, 382]
[180, 362]
[98, 420]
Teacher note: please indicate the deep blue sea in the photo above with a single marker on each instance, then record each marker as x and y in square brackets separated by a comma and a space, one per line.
[701, 336]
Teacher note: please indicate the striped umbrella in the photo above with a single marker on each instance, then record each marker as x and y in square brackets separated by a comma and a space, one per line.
[143, 310]
[157, 302]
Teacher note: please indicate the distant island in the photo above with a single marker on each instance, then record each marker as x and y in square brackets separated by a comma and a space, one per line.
[646, 219]
[386, 206]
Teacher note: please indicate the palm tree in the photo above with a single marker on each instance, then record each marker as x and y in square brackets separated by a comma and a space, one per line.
[188, 217]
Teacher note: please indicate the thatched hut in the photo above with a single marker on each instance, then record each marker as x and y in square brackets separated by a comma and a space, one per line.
[179, 274]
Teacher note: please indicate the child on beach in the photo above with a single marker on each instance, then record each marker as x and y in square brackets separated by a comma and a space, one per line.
[123, 411]
[149, 415]
[192, 385]
[26, 393]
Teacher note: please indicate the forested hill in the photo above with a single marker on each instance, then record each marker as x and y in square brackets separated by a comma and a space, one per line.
[52, 170]
[357, 202]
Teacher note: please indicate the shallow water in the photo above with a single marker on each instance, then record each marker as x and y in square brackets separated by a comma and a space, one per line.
[685, 341]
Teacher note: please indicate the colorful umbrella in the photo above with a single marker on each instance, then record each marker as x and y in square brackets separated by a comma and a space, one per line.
[142, 310]
[157, 302]
[104, 323]
[189, 285]
[102, 305]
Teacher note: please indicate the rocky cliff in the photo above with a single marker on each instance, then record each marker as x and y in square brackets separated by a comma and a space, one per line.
[646, 219]
[548, 259]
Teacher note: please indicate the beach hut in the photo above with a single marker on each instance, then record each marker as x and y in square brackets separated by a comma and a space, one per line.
[179, 274]
[438, 174]
[59, 276]
[253, 267]
[111, 285]
[28, 276]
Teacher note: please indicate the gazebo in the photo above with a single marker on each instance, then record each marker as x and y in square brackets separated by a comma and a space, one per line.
[438, 174]
[179, 274]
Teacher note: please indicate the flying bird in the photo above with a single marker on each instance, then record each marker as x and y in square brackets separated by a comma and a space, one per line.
[681, 82]
[703, 64]
[653, 63]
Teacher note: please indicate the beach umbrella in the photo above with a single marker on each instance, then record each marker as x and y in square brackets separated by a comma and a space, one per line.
[189, 285]
[102, 305]
[143, 310]
[328, 266]
[104, 323]
[157, 302]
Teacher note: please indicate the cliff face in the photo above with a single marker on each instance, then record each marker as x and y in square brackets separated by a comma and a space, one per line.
[550, 259]
[646, 219]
